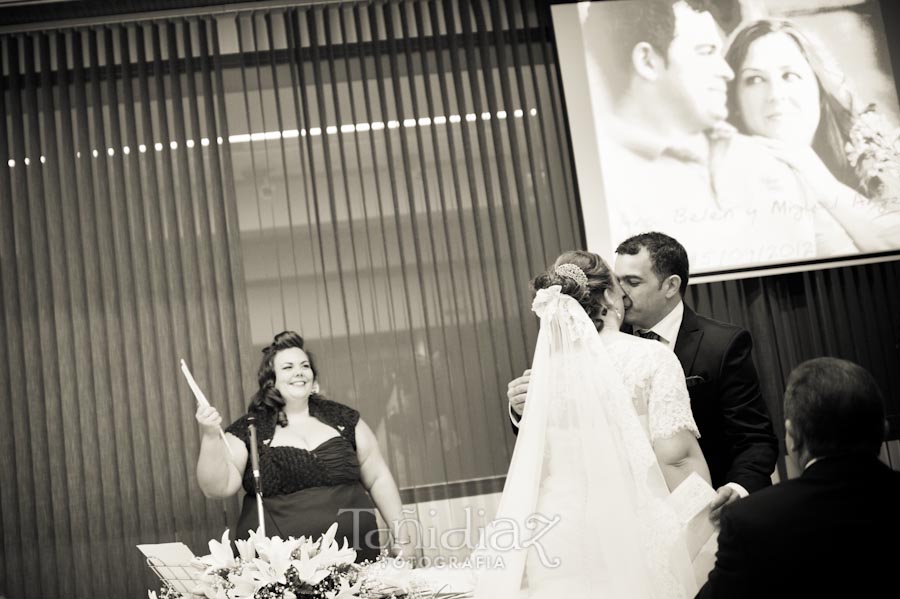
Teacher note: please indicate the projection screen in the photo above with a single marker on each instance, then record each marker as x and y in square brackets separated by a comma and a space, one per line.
[762, 134]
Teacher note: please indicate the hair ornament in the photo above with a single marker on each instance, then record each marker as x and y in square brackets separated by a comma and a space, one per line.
[573, 272]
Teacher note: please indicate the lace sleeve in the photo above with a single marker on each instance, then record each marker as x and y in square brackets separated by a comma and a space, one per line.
[668, 404]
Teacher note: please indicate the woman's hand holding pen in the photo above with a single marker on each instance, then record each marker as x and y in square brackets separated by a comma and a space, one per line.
[209, 419]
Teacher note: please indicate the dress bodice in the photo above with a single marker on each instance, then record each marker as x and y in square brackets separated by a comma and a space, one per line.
[287, 469]
[655, 379]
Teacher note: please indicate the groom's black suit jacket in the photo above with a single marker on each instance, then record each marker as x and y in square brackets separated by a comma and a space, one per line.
[736, 434]
[735, 431]
[832, 532]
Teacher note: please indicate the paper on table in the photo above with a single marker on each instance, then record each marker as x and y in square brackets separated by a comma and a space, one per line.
[691, 500]
[172, 563]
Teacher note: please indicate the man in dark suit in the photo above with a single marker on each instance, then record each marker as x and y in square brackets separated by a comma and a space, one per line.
[828, 533]
[736, 434]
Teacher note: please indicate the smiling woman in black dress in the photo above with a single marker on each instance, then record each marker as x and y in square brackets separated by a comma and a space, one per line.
[319, 462]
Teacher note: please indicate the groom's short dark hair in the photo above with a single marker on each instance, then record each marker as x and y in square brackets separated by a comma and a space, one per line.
[667, 256]
[835, 407]
[625, 25]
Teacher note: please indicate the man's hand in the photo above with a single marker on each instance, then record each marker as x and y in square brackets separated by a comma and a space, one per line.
[516, 392]
[725, 495]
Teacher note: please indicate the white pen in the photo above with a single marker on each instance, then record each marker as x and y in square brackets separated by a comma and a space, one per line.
[201, 399]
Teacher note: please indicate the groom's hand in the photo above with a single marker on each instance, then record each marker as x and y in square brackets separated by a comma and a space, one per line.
[724, 496]
[516, 392]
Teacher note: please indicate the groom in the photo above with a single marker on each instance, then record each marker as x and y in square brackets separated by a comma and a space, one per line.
[735, 431]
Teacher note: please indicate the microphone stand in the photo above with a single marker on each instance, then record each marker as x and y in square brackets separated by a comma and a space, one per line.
[257, 483]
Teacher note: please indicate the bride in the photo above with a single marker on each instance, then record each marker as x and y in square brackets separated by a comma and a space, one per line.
[607, 434]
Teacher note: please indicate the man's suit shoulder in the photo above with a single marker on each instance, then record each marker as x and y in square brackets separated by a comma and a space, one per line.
[717, 326]
[721, 333]
[760, 511]
[767, 511]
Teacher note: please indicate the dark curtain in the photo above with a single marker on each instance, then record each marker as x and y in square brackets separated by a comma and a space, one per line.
[848, 312]
[118, 256]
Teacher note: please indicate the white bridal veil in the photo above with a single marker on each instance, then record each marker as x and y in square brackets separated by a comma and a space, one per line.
[583, 511]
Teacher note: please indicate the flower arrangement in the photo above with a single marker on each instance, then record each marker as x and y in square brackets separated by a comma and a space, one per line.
[273, 568]
[873, 150]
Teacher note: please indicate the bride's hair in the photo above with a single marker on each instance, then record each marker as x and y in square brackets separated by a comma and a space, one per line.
[590, 296]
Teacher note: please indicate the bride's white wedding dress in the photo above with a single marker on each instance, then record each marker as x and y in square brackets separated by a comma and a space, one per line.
[584, 462]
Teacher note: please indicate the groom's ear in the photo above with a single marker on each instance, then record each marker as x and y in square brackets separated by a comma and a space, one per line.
[672, 286]
[646, 61]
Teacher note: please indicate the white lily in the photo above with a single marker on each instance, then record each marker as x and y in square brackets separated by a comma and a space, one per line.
[209, 589]
[333, 555]
[246, 549]
[278, 553]
[245, 586]
[266, 573]
[208, 586]
[328, 535]
[275, 548]
[310, 569]
[307, 544]
[220, 554]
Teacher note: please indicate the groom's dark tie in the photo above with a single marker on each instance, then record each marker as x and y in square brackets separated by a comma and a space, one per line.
[647, 335]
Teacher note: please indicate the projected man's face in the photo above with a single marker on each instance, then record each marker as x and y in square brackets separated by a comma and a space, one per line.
[695, 79]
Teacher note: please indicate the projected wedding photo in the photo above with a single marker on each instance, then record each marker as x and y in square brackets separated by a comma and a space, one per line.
[753, 133]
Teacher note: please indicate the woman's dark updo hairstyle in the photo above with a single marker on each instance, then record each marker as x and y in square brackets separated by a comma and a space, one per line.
[590, 296]
[268, 398]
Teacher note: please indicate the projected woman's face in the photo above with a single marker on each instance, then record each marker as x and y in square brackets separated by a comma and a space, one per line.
[778, 93]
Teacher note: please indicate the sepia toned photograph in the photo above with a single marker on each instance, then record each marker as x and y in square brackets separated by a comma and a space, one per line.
[449, 299]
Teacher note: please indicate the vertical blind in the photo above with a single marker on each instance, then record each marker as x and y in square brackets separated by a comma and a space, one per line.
[119, 255]
[402, 173]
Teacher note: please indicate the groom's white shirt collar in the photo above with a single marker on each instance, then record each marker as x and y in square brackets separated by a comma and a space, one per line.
[667, 328]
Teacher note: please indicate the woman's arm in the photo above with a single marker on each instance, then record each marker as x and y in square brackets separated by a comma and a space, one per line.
[673, 430]
[219, 472]
[873, 225]
[678, 456]
[377, 479]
